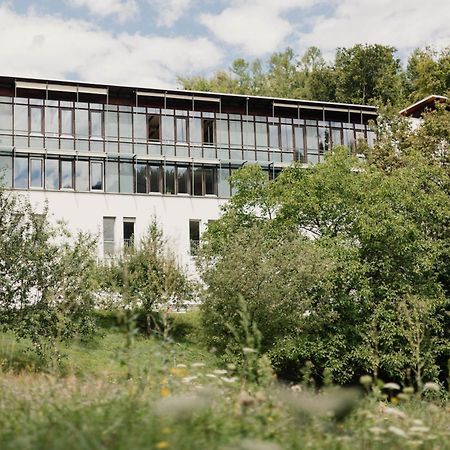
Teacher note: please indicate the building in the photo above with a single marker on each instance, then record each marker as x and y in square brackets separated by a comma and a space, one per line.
[107, 158]
[415, 111]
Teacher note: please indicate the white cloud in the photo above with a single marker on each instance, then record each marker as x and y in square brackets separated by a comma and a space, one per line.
[255, 25]
[404, 24]
[51, 47]
[168, 12]
[123, 9]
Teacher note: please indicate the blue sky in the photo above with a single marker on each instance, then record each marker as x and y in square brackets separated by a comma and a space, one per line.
[150, 42]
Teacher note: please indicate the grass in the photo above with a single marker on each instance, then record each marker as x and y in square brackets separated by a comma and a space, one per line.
[159, 395]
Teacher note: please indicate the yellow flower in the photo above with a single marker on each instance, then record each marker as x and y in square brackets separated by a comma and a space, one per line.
[162, 444]
[166, 430]
[178, 371]
[165, 391]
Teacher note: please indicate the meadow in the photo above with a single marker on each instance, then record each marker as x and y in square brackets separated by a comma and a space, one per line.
[122, 392]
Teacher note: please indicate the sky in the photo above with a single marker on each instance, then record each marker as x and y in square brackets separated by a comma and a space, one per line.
[149, 43]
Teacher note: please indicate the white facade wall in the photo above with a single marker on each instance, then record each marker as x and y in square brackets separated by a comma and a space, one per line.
[85, 212]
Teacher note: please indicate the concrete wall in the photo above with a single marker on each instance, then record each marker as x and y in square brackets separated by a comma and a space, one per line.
[85, 212]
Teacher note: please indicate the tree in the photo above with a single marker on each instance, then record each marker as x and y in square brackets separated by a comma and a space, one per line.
[47, 276]
[148, 276]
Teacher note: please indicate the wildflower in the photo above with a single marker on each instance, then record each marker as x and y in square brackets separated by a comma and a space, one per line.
[430, 386]
[392, 386]
[245, 399]
[366, 380]
[165, 391]
[162, 444]
[296, 388]
[229, 380]
[419, 430]
[248, 350]
[198, 364]
[397, 431]
[376, 430]
[183, 366]
[211, 375]
[187, 380]
[394, 412]
[183, 405]
[220, 371]
[178, 371]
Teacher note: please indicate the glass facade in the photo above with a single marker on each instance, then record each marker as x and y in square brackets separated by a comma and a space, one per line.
[109, 148]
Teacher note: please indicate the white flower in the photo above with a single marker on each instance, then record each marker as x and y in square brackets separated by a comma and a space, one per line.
[187, 380]
[397, 431]
[198, 364]
[248, 350]
[430, 386]
[220, 371]
[229, 380]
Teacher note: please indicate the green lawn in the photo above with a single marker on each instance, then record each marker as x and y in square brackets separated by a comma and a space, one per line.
[160, 395]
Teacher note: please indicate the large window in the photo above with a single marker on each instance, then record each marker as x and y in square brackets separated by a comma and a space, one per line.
[67, 122]
[112, 176]
[125, 126]
[21, 172]
[274, 136]
[154, 128]
[52, 174]
[96, 124]
[109, 224]
[36, 120]
[36, 172]
[66, 174]
[82, 175]
[126, 177]
[194, 235]
[169, 179]
[168, 130]
[208, 131]
[21, 118]
[141, 178]
[181, 124]
[128, 230]
[183, 181]
[96, 175]
[5, 117]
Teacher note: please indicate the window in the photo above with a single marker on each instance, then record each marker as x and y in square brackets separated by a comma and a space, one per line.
[6, 170]
[168, 129]
[140, 126]
[169, 179]
[181, 125]
[21, 118]
[128, 230]
[336, 136]
[210, 182]
[66, 122]
[208, 131]
[51, 121]
[66, 174]
[21, 172]
[194, 235]
[126, 177]
[141, 178]
[235, 133]
[299, 144]
[112, 176]
[96, 124]
[82, 123]
[261, 135]
[82, 175]
[52, 174]
[96, 176]
[249, 134]
[286, 137]
[125, 126]
[274, 138]
[36, 172]
[112, 124]
[108, 235]
[222, 132]
[183, 180]
[195, 130]
[198, 181]
[154, 128]
[223, 184]
[36, 122]
[155, 178]
[5, 117]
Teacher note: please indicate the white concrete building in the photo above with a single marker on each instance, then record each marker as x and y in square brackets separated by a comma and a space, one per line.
[108, 158]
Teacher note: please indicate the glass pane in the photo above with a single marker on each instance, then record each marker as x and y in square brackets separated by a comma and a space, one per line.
[140, 126]
[141, 178]
[222, 132]
[112, 176]
[183, 180]
[349, 138]
[170, 179]
[35, 120]
[66, 174]
[224, 185]
[154, 133]
[125, 128]
[96, 124]
[208, 131]
[52, 174]
[82, 175]
[198, 181]
[6, 171]
[108, 228]
[311, 138]
[181, 130]
[286, 137]
[261, 135]
[249, 134]
[336, 137]
[21, 172]
[5, 117]
[168, 131]
[112, 124]
[210, 182]
[67, 122]
[235, 133]
[126, 177]
[81, 123]
[324, 140]
[36, 172]
[195, 130]
[21, 118]
[51, 121]
[97, 176]
[155, 174]
[274, 140]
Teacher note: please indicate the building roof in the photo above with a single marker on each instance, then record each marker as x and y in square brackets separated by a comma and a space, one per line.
[417, 109]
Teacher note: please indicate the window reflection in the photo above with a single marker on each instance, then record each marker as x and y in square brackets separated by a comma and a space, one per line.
[21, 172]
[66, 174]
[5, 117]
[274, 139]
[96, 176]
[169, 179]
[96, 124]
[52, 174]
[125, 128]
[82, 123]
[154, 128]
[141, 178]
[112, 176]
[36, 122]
[126, 177]
[155, 178]
[183, 180]
[21, 118]
[181, 125]
[6, 171]
[35, 172]
[67, 122]
[82, 175]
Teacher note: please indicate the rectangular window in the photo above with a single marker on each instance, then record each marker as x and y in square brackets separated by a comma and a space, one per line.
[82, 175]
[274, 136]
[249, 134]
[51, 121]
[140, 126]
[198, 181]
[112, 176]
[6, 171]
[235, 133]
[82, 123]
[141, 178]
[312, 142]
[36, 122]
[183, 182]
[181, 124]
[208, 131]
[21, 172]
[112, 124]
[96, 124]
[168, 129]
[109, 224]
[36, 172]
[97, 176]
[223, 184]
[66, 174]
[324, 140]
[52, 174]
[126, 177]
[154, 128]
[21, 118]
[195, 130]
[261, 135]
[299, 144]
[194, 235]
[222, 133]
[66, 122]
[128, 230]
[286, 137]
[125, 126]
[6, 117]
[349, 138]
[169, 179]
[210, 180]
[155, 178]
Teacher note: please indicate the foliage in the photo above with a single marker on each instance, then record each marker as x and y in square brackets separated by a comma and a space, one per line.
[330, 254]
[147, 276]
[47, 276]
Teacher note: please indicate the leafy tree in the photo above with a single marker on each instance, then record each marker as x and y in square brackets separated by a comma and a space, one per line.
[148, 276]
[47, 276]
